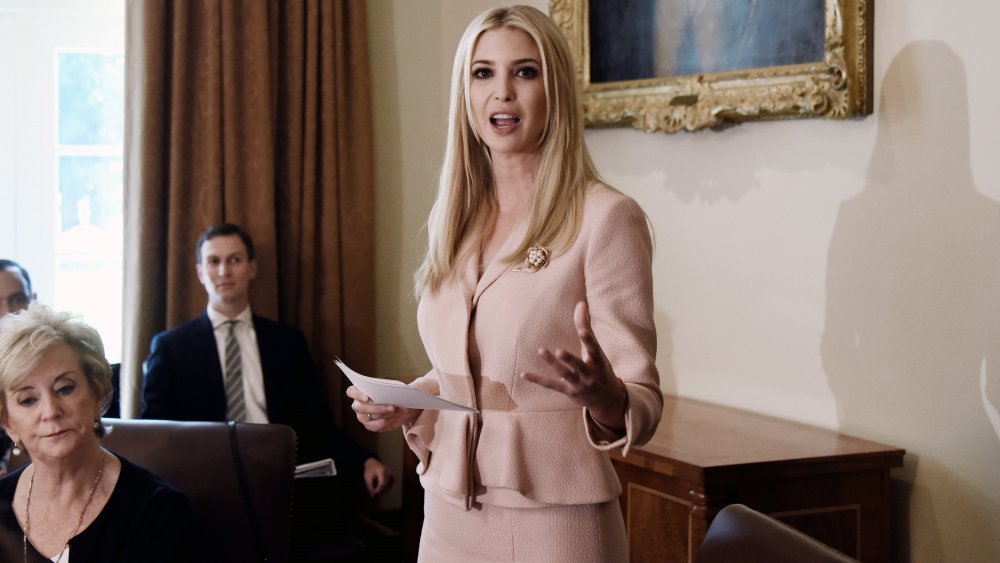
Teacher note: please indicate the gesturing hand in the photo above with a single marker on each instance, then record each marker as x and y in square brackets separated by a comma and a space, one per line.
[588, 379]
[376, 417]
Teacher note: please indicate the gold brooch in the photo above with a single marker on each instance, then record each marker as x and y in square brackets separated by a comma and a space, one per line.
[538, 257]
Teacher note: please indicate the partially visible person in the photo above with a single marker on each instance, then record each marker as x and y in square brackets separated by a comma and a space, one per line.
[15, 295]
[15, 287]
[77, 501]
[536, 309]
[230, 364]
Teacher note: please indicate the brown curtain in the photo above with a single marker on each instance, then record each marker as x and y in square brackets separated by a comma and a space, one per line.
[257, 113]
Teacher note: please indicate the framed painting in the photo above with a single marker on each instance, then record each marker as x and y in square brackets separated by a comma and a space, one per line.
[675, 65]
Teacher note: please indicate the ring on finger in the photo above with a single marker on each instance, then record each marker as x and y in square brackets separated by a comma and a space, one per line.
[370, 417]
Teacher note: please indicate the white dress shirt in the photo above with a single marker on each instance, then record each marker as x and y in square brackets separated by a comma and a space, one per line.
[253, 374]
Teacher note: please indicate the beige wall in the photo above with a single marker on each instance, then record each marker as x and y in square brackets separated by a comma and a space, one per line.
[844, 274]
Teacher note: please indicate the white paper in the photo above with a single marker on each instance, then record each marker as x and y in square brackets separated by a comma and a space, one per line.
[392, 392]
[321, 468]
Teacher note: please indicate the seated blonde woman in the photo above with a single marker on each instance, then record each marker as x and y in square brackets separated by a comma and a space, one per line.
[76, 501]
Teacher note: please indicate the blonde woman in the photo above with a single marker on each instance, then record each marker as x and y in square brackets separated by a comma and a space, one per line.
[76, 501]
[536, 309]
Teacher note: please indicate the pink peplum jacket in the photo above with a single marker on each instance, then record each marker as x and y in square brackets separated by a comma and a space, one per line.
[529, 446]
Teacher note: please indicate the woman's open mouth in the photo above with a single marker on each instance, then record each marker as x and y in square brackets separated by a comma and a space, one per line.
[504, 120]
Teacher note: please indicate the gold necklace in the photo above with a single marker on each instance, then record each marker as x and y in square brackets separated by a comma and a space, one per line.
[86, 505]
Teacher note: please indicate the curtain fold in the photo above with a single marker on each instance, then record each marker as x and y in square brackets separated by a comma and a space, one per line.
[256, 113]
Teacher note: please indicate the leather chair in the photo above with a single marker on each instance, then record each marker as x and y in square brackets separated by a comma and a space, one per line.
[740, 534]
[198, 458]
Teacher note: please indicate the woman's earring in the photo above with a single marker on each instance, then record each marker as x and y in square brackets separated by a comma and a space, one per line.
[16, 450]
[97, 424]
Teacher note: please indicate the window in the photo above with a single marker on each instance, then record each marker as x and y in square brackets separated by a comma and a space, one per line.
[61, 135]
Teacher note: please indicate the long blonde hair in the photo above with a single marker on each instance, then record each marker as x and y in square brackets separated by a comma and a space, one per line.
[466, 195]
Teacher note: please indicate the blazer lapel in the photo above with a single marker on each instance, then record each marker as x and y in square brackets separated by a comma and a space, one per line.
[205, 350]
[269, 349]
[499, 266]
[469, 278]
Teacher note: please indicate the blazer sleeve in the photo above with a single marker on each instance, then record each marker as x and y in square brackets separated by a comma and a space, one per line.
[159, 382]
[619, 288]
[420, 434]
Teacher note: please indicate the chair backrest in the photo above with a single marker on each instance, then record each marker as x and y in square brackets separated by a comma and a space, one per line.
[197, 458]
[739, 533]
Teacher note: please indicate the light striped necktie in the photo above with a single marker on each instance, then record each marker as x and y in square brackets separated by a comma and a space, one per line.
[236, 408]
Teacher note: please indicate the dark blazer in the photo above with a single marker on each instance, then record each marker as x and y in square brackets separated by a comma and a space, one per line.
[183, 381]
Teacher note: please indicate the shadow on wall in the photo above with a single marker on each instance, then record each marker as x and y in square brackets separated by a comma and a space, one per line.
[912, 340]
[665, 352]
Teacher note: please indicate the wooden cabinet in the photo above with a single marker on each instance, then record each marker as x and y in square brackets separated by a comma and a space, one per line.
[833, 487]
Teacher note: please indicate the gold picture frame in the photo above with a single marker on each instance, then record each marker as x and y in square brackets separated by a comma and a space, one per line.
[836, 84]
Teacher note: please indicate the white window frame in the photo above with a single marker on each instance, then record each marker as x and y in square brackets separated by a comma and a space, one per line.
[32, 34]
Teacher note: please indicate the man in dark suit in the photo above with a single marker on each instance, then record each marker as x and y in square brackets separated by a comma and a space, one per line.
[229, 364]
[15, 295]
[15, 287]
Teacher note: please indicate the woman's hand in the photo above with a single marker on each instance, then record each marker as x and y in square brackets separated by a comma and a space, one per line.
[588, 379]
[379, 418]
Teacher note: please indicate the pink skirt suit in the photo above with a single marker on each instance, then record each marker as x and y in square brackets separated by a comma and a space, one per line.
[527, 477]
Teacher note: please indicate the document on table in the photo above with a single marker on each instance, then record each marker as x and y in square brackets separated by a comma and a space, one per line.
[321, 468]
[392, 392]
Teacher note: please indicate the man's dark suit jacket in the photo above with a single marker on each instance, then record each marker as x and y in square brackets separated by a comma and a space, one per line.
[183, 381]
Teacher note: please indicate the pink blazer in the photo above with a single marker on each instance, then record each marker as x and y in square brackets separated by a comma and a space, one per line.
[528, 445]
